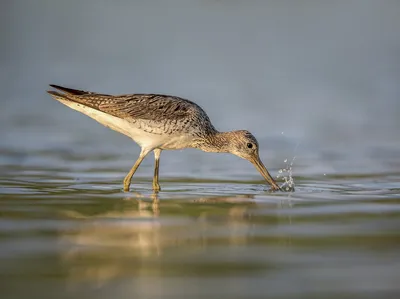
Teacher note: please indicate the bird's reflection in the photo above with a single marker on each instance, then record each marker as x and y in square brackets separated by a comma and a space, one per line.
[143, 205]
[136, 236]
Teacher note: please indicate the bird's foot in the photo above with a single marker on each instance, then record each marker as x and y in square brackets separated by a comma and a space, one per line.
[156, 187]
[127, 184]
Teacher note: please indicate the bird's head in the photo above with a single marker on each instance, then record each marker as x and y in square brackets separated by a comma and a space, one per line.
[244, 145]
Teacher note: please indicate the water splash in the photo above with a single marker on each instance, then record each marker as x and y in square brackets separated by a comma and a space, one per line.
[286, 175]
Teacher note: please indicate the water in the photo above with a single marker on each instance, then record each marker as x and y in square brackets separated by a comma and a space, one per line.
[315, 82]
[68, 231]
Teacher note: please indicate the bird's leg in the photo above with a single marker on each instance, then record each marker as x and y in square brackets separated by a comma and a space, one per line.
[128, 178]
[156, 185]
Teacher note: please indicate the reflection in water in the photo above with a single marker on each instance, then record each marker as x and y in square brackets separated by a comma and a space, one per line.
[131, 240]
[185, 241]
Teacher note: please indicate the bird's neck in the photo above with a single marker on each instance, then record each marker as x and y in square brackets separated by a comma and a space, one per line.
[216, 143]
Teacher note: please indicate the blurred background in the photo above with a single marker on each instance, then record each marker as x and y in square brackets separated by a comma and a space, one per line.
[317, 81]
[324, 73]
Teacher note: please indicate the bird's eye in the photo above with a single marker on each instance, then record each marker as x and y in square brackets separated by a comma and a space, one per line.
[249, 145]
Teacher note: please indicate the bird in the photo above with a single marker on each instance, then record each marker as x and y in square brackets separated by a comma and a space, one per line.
[158, 122]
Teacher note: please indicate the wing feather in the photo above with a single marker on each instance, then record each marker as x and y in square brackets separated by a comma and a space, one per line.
[155, 110]
[135, 106]
[150, 107]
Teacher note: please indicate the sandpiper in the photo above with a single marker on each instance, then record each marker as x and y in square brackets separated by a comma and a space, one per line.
[161, 122]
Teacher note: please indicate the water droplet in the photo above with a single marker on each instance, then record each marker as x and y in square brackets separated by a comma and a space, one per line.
[280, 171]
[285, 160]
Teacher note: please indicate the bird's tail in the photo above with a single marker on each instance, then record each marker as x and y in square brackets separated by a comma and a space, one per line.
[70, 91]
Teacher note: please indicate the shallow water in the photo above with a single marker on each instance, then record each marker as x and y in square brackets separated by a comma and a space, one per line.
[314, 80]
[67, 230]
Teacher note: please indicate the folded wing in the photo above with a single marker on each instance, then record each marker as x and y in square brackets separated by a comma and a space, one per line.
[136, 106]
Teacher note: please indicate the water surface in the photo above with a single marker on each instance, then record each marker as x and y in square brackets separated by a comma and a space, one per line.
[68, 231]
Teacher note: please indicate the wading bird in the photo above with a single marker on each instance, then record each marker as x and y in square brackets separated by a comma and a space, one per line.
[161, 122]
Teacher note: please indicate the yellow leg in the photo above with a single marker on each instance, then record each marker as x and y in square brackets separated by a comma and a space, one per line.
[128, 178]
[156, 185]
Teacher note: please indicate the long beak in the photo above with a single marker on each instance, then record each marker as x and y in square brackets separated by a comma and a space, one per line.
[264, 172]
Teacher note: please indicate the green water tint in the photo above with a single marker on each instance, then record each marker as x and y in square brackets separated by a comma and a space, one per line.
[62, 237]
[68, 231]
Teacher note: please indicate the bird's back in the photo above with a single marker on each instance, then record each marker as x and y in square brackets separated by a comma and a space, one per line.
[150, 113]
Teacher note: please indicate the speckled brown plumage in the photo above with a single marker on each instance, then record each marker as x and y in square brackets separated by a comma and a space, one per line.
[174, 113]
[158, 122]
